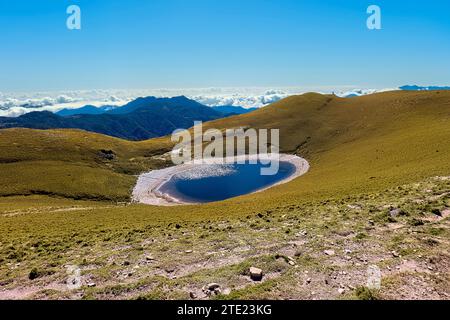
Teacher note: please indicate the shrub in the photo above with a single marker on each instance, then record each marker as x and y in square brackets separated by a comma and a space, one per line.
[364, 293]
[34, 274]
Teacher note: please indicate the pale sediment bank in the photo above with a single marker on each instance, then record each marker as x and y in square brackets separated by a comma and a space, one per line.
[147, 189]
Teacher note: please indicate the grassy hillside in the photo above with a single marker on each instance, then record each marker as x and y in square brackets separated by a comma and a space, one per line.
[72, 163]
[357, 144]
[353, 145]
[368, 155]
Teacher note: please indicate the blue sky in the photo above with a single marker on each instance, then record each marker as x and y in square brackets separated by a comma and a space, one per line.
[222, 43]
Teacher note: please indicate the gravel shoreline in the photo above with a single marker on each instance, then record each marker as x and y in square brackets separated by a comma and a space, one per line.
[147, 187]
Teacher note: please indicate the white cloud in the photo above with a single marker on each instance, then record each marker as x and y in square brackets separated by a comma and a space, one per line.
[362, 92]
[239, 100]
[63, 99]
[16, 104]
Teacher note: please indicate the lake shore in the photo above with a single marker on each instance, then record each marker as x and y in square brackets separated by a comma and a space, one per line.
[147, 189]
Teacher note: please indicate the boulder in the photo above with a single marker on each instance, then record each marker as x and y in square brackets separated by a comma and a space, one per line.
[256, 274]
[396, 212]
[395, 254]
[213, 286]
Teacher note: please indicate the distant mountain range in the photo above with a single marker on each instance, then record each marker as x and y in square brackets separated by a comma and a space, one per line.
[363, 92]
[420, 88]
[89, 109]
[231, 110]
[140, 119]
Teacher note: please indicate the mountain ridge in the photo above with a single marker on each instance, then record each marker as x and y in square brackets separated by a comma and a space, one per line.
[140, 119]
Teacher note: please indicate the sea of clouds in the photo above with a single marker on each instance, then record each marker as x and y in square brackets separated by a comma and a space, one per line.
[16, 103]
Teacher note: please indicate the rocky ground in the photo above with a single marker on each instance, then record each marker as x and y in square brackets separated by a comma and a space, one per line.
[332, 249]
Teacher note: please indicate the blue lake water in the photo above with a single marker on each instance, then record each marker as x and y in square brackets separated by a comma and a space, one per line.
[211, 183]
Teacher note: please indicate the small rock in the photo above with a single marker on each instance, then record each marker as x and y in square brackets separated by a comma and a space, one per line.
[397, 212]
[91, 285]
[308, 280]
[329, 252]
[341, 291]
[347, 251]
[188, 251]
[107, 154]
[354, 206]
[395, 254]
[192, 295]
[213, 286]
[126, 263]
[226, 291]
[149, 258]
[292, 263]
[256, 274]
[437, 212]
[348, 258]
[394, 213]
